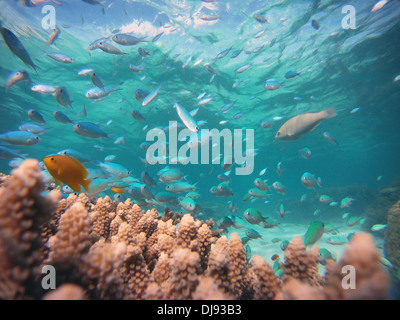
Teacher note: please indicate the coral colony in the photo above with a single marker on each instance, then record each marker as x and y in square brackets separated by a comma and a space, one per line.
[109, 250]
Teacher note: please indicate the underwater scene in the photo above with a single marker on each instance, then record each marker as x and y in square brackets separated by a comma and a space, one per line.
[199, 149]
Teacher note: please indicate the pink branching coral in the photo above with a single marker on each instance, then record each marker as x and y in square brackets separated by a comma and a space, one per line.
[104, 250]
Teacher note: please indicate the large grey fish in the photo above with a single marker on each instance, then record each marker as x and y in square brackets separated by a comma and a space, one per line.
[17, 47]
[126, 39]
[22, 138]
[302, 124]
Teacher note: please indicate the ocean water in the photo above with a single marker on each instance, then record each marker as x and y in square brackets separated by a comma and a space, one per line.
[338, 67]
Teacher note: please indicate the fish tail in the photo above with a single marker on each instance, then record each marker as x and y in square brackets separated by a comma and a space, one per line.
[329, 113]
[86, 184]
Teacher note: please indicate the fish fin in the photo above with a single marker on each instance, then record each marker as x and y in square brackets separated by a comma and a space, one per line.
[75, 186]
[86, 184]
[58, 181]
[329, 113]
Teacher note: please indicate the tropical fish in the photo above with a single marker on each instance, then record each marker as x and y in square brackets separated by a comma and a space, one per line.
[143, 53]
[272, 85]
[279, 168]
[96, 80]
[126, 39]
[346, 202]
[378, 227]
[62, 97]
[36, 116]
[310, 180]
[282, 210]
[136, 69]
[61, 117]
[325, 199]
[284, 244]
[314, 232]
[243, 68]
[329, 136]
[291, 74]
[84, 72]
[257, 193]
[90, 130]
[115, 169]
[188, 204]
[141, 94]
[336, 240]
[261, 184]
[53, 37]
[352, 221]
[279, 187]
[151, 96]
[137, 115]
[180, 186]
[267, 124]
[109, 48]
[109, 158]
[32, 128]
[253, 216]
[97, 93]
[59, 57]
[158, 36]
[67, 170]
[118, 190]
[74, 154]
[316, 212]
[253, 234]
[186, 62]
[231, 206]
[379, 5]
[315, 24]
[15, 77]
[147, 179]
[302, 124]
[171, 175]
[22, 138]
[186, 118]
[325, 254]
[44, 88]
[17, 47]
[236, 53]
[305, 153]
[7, 153]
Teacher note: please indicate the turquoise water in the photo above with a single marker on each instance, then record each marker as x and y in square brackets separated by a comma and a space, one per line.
[346, 69]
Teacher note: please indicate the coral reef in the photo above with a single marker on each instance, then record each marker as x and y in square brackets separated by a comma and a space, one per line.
[104, 250]
[377, 210]
[392, 235]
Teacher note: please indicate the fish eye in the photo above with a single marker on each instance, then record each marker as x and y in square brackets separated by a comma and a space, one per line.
[37, 138]
[78, 125]
[52, 159]
[278, 134]
[17, 73]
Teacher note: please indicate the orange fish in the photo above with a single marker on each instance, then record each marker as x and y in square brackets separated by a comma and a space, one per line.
[67, 170]
[117, 190]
